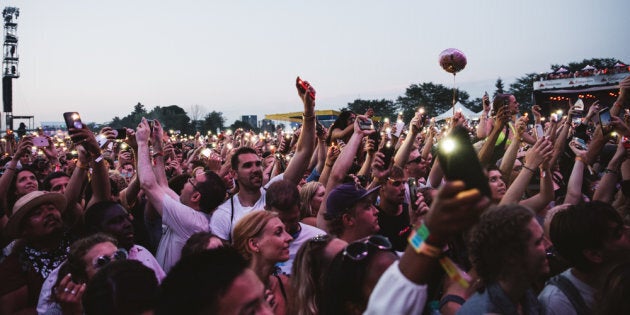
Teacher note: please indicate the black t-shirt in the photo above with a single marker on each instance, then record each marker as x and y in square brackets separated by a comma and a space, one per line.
[395, 228]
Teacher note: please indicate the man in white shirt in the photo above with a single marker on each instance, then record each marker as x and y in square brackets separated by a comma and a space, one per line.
[247, 170]
[183, 215]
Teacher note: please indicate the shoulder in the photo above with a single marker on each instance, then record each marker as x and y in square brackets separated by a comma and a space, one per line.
[476, 304]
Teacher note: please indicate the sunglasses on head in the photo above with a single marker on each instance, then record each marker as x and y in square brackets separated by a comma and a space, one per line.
[321, 238]
[360, 249]
[101, 261]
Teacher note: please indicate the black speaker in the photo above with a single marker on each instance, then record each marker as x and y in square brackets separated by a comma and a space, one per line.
[7, 94]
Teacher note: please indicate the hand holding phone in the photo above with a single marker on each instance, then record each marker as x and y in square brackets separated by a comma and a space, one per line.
[459, 161]
[40, 142]
[604, 118]
[366, 124]
[305, 87]
[73, 120]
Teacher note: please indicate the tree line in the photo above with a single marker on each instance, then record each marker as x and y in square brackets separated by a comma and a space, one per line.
[434, 98]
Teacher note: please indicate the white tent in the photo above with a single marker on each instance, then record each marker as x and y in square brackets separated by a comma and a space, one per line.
[469, 114]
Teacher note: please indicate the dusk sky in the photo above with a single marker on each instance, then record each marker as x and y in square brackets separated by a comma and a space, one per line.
[100, 58]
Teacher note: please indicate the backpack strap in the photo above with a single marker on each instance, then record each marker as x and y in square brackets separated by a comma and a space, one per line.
[566, 286]
[231, 218]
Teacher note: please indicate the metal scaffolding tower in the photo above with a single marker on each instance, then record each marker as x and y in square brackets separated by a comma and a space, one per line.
[9, 61]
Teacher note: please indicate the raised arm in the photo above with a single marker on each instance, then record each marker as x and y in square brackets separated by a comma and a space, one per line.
[574, 185]
[401, 157]
[154, 192]
[534, 158]
[101, 187]
[341, 166]
[305, 145]
[507, 163]
[606, 189]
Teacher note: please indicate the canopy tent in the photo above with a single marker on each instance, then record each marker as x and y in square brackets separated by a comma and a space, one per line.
[589, 67]
[469, 114]
[562, 70]
[619, 64]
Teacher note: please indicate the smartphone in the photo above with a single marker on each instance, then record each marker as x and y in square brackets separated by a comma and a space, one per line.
[73, 120]
[388, 152]
[413, 191]
[366, 124]
[40, 142]
[626, 142]
[459, 161]
[539, 131]
[151, 125]
[121, 133]
[306, 87]
[581, 144]
[604, 117]
[101, 139]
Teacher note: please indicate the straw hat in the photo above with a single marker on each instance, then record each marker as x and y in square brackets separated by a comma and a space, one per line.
[28, 203]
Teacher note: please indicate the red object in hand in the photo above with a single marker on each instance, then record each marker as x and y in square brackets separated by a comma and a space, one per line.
[306, 87]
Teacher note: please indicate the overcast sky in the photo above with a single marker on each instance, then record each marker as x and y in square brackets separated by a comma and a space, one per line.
[241, 57]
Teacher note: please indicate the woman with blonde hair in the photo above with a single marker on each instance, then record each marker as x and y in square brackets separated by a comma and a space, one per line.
[261, 238]
[311, 196]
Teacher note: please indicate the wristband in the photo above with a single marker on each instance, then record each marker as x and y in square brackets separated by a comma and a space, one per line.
[609, 171]
[529, 169]
[417, 237]
[430, 250]
[579, 158]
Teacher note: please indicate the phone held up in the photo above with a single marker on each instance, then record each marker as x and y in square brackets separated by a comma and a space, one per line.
[459, 161]
[604, 118]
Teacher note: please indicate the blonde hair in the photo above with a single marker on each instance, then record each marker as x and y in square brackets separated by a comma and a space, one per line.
[307, 193]
[248, 227]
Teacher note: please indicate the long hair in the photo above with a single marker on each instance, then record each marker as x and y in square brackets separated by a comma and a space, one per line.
[248, 227]
[307, 276]
[307, 193]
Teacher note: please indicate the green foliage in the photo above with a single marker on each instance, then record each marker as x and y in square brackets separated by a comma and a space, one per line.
[132, 120]
[172, 117]
[498, 88]
[382, 108]
[212, 121]
[599, 63]
[435, 98]
[523, 89]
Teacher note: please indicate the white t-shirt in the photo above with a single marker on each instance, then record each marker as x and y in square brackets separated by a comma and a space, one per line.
[222, 223]
[180, 222]
[395, 294]
[555, 302]
[306, 233]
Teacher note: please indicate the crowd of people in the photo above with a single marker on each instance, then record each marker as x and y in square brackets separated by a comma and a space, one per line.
[360, 218]
[588, 71]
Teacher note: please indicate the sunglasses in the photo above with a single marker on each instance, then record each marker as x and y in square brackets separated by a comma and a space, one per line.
[101, 261]
[321, 238]
[360, 249]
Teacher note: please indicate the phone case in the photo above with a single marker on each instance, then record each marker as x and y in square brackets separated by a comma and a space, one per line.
[462, 163]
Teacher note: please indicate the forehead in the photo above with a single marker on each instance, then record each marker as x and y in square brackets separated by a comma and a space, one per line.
[23, 174]
[113, 211]
[243, 293]
[59, 181]
[247, 158]
[494, 173]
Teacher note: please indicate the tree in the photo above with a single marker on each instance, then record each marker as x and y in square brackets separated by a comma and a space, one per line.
[382, 108]
[213, 121]
[242, 124]
[172, 117]
[599, 63]
[132, 120]
[195, 113]
[523, 90]
[434, 98]
[499, 88]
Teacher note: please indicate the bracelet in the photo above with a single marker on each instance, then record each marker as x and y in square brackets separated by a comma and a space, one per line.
[609, 171]
[529, 169]
[417, 237]
[304, 117]
[430, 250]
[451, 298]
[10, 168]
[579, 158]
